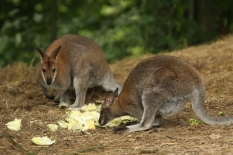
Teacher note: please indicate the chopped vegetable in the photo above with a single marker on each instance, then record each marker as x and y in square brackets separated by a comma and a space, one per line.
[91, 107]
[82, 120]
[62, 124]
[89, 125]
[221, 113]
[14, 125]
[42, 140]
[53, 127]
[86, 118]
[193, 121]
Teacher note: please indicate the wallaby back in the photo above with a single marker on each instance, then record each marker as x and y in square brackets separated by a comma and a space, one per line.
[80, 64]
[159, 86]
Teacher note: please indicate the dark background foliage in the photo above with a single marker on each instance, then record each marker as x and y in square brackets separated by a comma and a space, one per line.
[121, 27]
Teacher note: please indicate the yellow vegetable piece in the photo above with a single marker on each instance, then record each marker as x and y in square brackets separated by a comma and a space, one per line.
[14, 125]
[74, 113]
[90, 115]
[89, 125]
[114, 122]
[89, 107]
[127, 117]
[53, 127]
[74, 125]
[42, 140]
[84, 119]
[193, 121]
[62, 124]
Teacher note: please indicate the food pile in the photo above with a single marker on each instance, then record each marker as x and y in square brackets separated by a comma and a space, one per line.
[83, 119]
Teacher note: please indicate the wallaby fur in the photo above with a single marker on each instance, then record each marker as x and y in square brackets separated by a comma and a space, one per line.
[73, 62]
[158, 86]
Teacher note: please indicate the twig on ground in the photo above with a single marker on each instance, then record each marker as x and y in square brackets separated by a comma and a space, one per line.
[8, 136]
[173, 137]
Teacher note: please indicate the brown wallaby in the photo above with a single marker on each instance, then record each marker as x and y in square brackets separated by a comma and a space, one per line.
[158, 86]
[73, 62]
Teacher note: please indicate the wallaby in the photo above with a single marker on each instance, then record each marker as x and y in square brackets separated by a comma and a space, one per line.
[158, 86]
[73, 62]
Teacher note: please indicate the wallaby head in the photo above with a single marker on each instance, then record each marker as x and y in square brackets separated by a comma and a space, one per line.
[107, 112]
[48, 65]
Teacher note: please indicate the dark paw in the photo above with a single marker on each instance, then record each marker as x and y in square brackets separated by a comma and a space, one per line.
[51, 97]
[56, 101]
[120, 129]
[130, 123]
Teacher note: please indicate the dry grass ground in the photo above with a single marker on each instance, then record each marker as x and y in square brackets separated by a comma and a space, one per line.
[20, 97]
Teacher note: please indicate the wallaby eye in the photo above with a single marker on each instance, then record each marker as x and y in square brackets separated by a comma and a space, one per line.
[43, 70]
[53, 70]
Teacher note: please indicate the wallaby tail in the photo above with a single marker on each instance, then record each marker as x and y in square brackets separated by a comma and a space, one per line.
[198, 107]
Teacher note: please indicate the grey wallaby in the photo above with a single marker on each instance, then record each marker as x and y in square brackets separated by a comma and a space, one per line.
[158, 86]
[73, 62]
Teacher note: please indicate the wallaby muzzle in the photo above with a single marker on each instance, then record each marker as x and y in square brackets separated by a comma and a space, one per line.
[49, 81]
[102, 122]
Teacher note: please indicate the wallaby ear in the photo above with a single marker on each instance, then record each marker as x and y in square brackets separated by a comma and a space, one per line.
[109, 98]
[42, 54]
[115, 93]
[55, 52]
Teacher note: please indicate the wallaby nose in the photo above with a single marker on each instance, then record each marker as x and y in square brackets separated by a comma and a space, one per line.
[49, 81]
[101, 122]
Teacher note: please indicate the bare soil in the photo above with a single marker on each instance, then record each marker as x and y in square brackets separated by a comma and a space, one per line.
[21, 97]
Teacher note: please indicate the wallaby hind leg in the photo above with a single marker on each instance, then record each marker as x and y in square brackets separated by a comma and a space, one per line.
[80, 93]
[150, 108]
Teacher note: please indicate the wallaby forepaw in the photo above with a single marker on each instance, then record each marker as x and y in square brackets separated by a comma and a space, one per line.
[63, 105]
[130, 123]
[120, 129]
[56, 101]
[50, 97]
